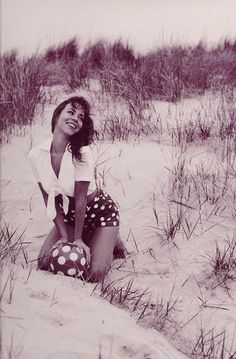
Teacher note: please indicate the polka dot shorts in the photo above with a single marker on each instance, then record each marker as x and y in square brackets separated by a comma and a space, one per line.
[102, 211]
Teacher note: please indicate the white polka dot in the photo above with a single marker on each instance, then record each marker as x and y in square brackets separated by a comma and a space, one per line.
[52, 266]
[102, 219]
[88, 208]
[80, 250]
[103, 224]
[96, 199]
[65, 220]
[60, 272]
[61, 260]
[83, 261]
[92, 215]
[113, 214]
[72, 211]
[66, 249]
[110, 206]
[102, 207]
[74, 256]
[71, 271]
[96, 205]
[114, 223]
[108, 219]
[86, 216]
[55, 253]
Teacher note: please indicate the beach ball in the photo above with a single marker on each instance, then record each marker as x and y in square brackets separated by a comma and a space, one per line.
[68, 259]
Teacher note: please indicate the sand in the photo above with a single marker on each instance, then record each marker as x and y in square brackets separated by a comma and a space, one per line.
[50, 316]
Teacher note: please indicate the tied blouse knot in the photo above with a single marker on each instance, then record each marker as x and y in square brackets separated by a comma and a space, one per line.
[51, 205]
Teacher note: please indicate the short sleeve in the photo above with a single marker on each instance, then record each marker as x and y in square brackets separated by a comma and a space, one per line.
[32, 161]
[84, 169]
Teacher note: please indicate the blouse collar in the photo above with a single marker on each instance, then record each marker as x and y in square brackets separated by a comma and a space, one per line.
[46, 146]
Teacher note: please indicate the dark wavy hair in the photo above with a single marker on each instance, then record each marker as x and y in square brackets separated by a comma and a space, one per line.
[87, 133]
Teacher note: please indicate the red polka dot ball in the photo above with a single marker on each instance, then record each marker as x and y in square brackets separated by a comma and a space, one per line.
[68, 259]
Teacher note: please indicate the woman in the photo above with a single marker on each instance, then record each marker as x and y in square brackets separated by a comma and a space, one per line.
[82, 213]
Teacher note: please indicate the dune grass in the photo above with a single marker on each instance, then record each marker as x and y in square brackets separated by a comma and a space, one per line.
[21, 92]
[223, 262]
[129, 85]
[12, 245]
[212, 345]
[168, 73]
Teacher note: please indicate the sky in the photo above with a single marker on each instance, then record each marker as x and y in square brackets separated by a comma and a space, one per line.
[34, 25]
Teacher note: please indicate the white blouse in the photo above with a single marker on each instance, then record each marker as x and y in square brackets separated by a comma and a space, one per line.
[70, 171]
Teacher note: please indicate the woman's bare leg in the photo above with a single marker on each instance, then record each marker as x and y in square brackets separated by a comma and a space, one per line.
[43, 258]
[51, 239]
[102, 244]
[119, 250]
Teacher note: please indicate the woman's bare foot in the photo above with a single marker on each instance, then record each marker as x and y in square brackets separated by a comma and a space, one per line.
[119, 251]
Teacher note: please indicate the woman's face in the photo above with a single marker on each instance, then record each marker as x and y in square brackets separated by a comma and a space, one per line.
[70, 120]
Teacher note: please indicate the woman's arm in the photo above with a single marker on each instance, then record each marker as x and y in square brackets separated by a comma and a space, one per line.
[80, 194]
[57, 233]
[44, 193]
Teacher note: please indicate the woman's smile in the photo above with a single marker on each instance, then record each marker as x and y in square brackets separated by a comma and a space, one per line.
[72, 124]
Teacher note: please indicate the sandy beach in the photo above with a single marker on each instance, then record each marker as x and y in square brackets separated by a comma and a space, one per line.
[48, 316]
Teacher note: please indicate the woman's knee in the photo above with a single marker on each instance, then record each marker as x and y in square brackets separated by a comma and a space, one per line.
[43, 262]
[96, 275]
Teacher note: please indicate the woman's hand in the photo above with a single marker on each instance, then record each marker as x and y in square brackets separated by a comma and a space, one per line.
[82, 245]
[63, 239]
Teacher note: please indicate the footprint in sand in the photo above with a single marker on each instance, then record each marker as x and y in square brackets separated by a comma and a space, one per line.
[126, 347]
[38, 294]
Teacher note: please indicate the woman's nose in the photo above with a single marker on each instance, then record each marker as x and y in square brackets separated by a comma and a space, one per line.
[74, 117]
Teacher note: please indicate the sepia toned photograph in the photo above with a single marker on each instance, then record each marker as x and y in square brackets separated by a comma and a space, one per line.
[118, 179]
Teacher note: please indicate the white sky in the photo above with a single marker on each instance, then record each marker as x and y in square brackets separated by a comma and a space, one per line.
[28, 25]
